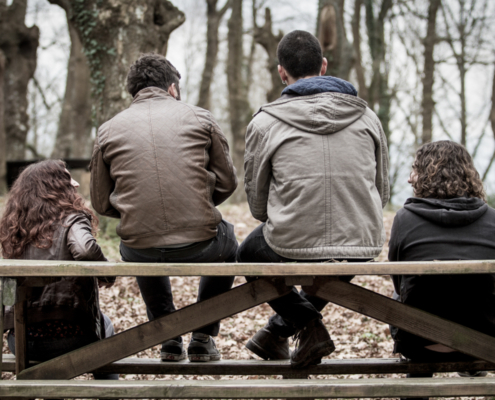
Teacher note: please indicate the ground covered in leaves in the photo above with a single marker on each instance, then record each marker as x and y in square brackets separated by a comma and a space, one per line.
[355, 335]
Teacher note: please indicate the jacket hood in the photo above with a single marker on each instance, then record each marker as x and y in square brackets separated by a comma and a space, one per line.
[456, 212]
[320, 105]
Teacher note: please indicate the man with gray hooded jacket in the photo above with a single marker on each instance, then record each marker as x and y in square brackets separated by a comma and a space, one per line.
[316, 175]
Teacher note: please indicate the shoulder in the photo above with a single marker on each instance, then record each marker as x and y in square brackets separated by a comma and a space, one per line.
[80, 218]
[262, 122]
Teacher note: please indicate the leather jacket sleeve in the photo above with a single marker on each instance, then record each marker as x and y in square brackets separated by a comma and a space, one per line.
[102, 184]
[221, 165]
[83, 246]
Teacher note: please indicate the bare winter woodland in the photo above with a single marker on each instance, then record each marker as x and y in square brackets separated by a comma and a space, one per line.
[426, 67]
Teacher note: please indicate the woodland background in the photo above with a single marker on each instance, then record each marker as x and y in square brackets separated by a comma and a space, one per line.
[426, 67]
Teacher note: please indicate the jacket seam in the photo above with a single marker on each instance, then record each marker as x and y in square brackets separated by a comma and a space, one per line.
[156, 165]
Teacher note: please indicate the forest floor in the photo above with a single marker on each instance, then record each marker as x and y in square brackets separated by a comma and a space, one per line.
[354, 335]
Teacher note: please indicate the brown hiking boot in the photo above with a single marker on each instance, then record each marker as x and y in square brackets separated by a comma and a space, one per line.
[313, 343]
[269, 346]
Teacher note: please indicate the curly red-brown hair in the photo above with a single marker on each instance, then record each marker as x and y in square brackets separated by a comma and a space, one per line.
[445, 170]
[40, 199]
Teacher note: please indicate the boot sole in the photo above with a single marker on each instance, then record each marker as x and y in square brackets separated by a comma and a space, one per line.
[315, 355]
[204, 357]
[172, 356]
[254, 347]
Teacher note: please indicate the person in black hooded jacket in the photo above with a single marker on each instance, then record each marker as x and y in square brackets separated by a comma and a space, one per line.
[448, 219]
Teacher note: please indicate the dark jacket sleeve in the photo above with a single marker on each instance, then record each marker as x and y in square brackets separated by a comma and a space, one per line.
[393, 251]
[102, 184]
[221, 165]
[82, 244]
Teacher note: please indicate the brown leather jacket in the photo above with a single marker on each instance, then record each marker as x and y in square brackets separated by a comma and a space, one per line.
[161, 166]
[71, 298]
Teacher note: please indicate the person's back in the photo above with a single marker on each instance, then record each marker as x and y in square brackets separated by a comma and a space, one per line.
[316, 175]
[162, 166]
[328, 172]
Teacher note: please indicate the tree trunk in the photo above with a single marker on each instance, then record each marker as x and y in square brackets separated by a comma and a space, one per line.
[378, 91]
[266, 38]
[356, 33]
[3, 154]
[238, 102]
[113, 35]
[214, 17]
[427, 103]
[74, 129]
[19, 44]
[333, 39]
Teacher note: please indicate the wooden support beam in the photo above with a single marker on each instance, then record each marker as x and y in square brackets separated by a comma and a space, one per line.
[358, 366]
[1, 324]
[159, 330]
[251, 389]
[408, 318]
[27, 268]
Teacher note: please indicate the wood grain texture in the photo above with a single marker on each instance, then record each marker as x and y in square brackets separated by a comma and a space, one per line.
[408, 318]
[256, 367]
[14, 268]
[159, 330]
[251, 389]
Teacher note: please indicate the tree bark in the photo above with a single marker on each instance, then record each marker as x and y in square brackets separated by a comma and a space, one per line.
[214, 17]
[3, 154]
[113, 35]
[356, 33]
[19, 44]
[427, 103]
[74, 129]
[333, 39]
[266, 38]
[238, 102]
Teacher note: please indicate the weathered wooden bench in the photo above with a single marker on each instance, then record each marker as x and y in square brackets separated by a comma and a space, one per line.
[51, 379]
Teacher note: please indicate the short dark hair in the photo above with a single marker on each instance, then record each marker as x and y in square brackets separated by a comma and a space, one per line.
[446, 170]
[151, 70]
[299, 52]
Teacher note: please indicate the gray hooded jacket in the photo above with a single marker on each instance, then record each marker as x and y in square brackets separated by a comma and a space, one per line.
[316, 171]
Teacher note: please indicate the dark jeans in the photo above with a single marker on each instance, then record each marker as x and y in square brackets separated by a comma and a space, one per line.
[43, 350]
[157, 292]
[294, 310]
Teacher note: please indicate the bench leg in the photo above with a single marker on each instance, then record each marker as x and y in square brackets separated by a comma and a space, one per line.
[20, 308]
[405, 317]
[152, 333]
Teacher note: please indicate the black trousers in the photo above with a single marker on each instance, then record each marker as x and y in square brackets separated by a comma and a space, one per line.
[157, 292]
[297, 308]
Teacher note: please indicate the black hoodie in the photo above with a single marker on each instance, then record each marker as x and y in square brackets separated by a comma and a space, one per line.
[453, 229]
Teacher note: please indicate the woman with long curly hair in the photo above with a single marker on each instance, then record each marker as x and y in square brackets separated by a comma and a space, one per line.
[447, 219]
[46, 219]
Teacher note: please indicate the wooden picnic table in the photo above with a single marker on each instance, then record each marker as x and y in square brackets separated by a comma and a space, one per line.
[319, 279]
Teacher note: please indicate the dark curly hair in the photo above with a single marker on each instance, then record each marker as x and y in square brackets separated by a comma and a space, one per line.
[445, 170]
[299, 52]
[152, 70]
[40, 199]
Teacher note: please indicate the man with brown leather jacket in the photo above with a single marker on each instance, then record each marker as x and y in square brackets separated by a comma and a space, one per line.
[162, 166]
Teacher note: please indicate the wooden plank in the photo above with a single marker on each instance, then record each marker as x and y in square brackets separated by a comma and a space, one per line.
[14, 268]
[256, 367]
[251, 389]
[159, 330]
[20, 312]
[408, 318]
[9, 291]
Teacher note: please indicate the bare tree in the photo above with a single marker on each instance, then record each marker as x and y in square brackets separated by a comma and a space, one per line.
[113, 34]
[265, 37]
[427, 104]
[332, 35]
[3, 153]
[492, 122]
[19, 44]
[214, 17]
[464, 32]
[74, 129]
[238, 100]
